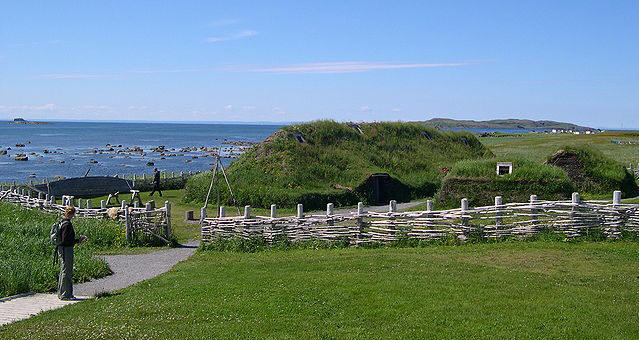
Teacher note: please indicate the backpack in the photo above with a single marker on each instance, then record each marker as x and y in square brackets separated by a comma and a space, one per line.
[56, 233]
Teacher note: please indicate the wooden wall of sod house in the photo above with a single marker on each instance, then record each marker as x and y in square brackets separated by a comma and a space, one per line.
[326, 161]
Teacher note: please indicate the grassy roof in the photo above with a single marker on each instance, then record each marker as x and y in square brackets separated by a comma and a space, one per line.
[310, 159]
[478, 181]
[593, 172]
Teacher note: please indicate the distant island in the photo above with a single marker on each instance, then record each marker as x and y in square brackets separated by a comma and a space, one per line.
[23, 121]
[523, 124]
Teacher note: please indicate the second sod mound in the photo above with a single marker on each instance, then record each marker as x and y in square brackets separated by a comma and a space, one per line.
[569, 169]
[478, 181]
[594, 173]
[325, 161]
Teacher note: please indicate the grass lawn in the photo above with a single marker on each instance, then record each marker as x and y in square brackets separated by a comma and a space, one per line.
[537, 147]
[503, 290]
[26, 254]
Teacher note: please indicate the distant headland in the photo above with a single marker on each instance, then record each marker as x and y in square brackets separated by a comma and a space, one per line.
[23, 121]
[523, 124]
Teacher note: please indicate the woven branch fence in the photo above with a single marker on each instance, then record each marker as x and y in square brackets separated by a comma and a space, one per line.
[572, 218]
[147, 220]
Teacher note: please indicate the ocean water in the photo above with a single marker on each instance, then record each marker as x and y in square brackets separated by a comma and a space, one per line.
[74, 143]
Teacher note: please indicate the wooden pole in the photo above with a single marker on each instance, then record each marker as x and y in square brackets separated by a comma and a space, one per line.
[167, 230]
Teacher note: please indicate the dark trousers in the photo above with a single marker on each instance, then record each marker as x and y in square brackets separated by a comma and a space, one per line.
[156, 187]
[65, 278]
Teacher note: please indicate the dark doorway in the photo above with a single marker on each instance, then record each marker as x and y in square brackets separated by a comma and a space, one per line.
[380, 188]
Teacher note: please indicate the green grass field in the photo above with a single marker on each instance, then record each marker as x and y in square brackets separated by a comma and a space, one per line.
[537, 147]
[26, 255]
[516, 290]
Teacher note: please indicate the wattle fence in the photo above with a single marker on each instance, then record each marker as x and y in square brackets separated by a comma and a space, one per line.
[572, 218]
[147, 220]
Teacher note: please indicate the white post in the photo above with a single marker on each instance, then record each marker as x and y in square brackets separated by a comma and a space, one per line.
[498, 204]
[616, 197]
[533, 199]
[575, 198]
[88, 204]
[464, 204]
[300, 210]
[222, 211]
[273, 211]
[464, 208]
[360, 208]
[102, 204]
[123, 205]
[329, 209]
[392, 206]
[429, 205]
[247, 211]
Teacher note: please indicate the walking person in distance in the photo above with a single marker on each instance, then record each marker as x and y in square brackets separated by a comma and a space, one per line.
[156, 182]
[64, 249]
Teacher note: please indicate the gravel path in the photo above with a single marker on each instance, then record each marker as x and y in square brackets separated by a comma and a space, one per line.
[379, 208]
[131, 269]
[127, 270]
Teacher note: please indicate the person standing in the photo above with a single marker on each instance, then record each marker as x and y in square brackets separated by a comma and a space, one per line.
[156, 182]
[65, 254]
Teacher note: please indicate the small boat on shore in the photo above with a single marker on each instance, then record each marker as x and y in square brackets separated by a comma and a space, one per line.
[85, 187]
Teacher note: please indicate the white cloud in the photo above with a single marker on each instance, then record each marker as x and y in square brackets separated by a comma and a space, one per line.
[304, 68]
[238, 35]
[76, 76]
[396, 110]
[248, 108]
[347, 67]
[365, 108]
[228, 107]
[45, 107]
[143, 107]
[278, 110]
[95, 107]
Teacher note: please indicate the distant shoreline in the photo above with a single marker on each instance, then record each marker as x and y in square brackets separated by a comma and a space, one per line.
[27, 123]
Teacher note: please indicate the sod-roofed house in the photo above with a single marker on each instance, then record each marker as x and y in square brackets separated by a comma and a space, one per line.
[343, 163]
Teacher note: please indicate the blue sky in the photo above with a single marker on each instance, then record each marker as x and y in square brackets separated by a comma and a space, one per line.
[574, 61]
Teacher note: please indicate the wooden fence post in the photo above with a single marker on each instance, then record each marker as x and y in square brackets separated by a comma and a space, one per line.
[464, 208]
[534, 217]
[127, 224]
[392, 206]
[167, 230]
[618, 221]
[616, 197]
[329, 209]
[202, 214]
[498, 206]
[222, 212]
